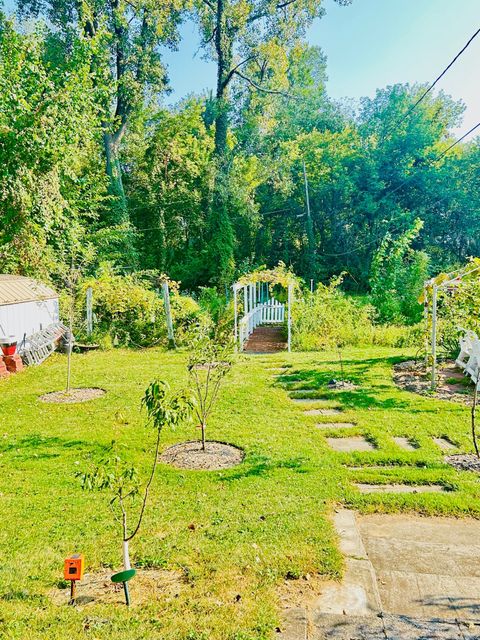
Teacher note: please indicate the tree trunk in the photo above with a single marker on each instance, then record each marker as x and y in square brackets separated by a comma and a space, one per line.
[114, 173]
[203, 435]
[126, 556]
[223, 47]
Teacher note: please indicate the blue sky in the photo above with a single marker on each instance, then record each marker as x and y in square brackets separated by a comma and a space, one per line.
[371, 44]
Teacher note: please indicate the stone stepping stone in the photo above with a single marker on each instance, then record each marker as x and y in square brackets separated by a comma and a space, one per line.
[444, 444]
[290, 391]
[400, 488]
[322, 412]
[355, 443]
[335, 425]
[404, 443]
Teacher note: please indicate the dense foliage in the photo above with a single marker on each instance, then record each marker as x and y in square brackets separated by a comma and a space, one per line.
[92, 167]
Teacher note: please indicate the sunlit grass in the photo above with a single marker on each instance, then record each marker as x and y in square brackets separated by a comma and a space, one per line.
[233, 535]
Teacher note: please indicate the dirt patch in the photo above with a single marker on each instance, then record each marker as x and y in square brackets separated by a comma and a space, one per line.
[464, 462]
[148, 585]
[74, 395]
[452, 384]
[189, 455]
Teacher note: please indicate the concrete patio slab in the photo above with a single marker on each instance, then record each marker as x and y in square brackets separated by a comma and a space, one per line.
[406, 578]
[400, 488]
[355, 443]
[404, 443]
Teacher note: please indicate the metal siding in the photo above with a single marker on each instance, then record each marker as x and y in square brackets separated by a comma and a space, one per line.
[25, 318]
[15, 289]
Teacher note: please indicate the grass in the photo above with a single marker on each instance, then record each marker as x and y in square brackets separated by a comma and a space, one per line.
[233, 535]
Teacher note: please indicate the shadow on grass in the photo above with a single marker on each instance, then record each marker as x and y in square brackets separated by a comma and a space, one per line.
[36, 441]
[261, 466]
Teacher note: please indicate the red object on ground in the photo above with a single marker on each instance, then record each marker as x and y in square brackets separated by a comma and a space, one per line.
[14, 363]
[9, 349]
[3, 368]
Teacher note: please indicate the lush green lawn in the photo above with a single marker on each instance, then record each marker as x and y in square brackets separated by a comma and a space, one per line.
[232, 535]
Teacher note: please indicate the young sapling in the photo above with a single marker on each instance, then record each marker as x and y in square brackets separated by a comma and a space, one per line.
[120, 478]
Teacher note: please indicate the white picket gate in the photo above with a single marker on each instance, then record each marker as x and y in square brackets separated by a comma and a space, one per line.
[273, 312]
[270, 312]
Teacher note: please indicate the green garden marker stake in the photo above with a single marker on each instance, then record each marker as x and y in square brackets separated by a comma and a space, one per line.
[124, 577]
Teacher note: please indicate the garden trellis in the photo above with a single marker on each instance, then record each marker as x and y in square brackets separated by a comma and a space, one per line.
[443, 282]
[259, 305]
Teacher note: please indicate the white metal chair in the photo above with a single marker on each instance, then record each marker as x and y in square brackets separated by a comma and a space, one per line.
[466, 344]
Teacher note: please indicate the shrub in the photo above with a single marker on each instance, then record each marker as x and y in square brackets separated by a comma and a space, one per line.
[328, 318]
[397, 276]
[128, 312]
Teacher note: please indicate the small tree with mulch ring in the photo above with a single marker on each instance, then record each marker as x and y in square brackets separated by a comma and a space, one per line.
[210, 361]
[120, 478]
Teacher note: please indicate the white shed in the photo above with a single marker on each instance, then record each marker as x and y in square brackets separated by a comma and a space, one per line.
[26, 307]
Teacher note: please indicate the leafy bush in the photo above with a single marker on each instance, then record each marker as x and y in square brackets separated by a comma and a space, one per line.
[397, 277]
[328, 318]
[127, 311]
[458, 306]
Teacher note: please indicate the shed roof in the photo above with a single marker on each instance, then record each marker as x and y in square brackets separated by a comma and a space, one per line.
[15, 289]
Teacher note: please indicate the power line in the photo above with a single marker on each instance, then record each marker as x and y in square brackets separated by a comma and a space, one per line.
[457, 142]
[437, 80]
[391, 191]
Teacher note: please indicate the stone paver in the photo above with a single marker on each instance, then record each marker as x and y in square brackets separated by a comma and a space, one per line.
[306, 400]
[335, 425]
[356, 443]
[404, 443]
[399, 488]
[323, 412]
[444, 444]
[290, 391]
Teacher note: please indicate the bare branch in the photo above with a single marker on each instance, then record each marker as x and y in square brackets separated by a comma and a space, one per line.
[232, 72]
[209, 5]
[263, 14]
[260, 88]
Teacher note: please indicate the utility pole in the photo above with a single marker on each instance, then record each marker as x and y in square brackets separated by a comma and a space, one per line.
[309, 225]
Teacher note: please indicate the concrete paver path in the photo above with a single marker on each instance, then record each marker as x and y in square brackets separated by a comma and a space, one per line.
[407, 578]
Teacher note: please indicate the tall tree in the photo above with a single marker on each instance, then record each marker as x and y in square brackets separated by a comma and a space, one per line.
[249, 42]
[52, 186]
[126, 66]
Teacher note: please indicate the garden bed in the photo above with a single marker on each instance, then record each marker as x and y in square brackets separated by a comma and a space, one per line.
[190, 455]
[464, 462]
[452, 384]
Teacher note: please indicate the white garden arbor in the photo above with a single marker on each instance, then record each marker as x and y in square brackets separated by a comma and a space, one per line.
[254, 293]
[443, 282]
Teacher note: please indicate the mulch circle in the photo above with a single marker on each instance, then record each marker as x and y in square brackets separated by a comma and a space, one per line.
[189, 455]
[411, 376]
[97, 588]
[464, 462]
[83, 394]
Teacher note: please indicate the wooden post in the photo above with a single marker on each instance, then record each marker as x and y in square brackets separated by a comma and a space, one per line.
[245, 300]
[425, 319]
[289, 321]
[89, 311]
[235, 311]
[168, 313]
[434, 337]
